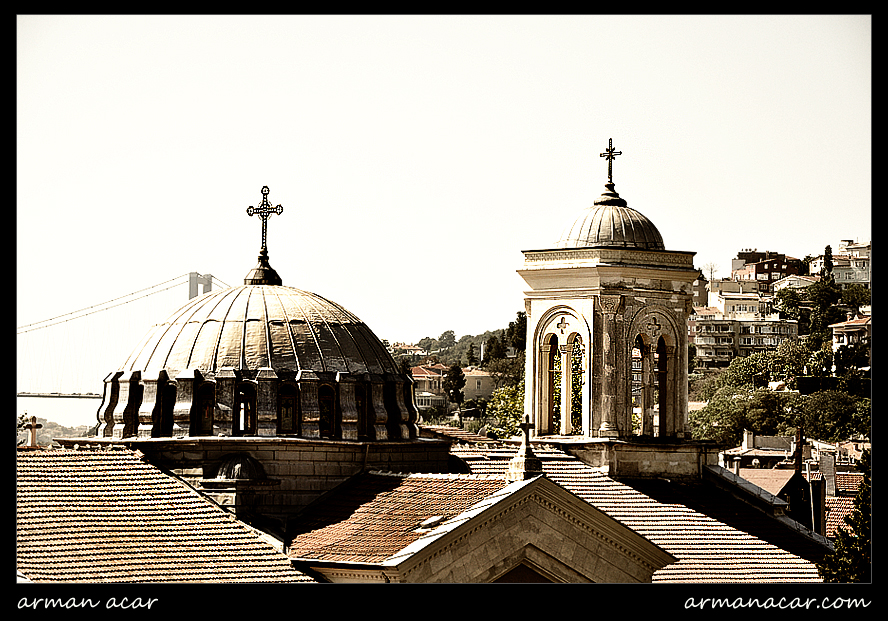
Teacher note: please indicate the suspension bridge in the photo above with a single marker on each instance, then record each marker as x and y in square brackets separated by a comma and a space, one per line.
[69, 355]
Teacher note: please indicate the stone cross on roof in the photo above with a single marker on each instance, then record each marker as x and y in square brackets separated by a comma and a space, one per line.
[610, 154]
[264, 210]
[32, 428]
[525, 465]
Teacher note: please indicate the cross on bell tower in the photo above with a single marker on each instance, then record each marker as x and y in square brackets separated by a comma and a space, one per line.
[610, 154]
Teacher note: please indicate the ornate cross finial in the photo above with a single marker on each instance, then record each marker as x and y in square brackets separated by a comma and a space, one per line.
[610, 154]
[264, 210]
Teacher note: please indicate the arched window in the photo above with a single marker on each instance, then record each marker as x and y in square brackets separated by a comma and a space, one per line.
[361, 390]
[288, 410]
[552, 378]
[327, 425]
[640, 398]
[244, 423]
[577, 379]
[661, 385]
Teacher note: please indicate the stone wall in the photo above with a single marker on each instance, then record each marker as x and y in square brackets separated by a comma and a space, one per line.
[619, 459]
[299, 469]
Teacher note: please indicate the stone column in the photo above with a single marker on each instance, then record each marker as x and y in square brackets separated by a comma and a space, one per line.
[566, 352]
[308, 401]
[266, 402]
[647, 391]
[544, 391]
[109, 403]
[610, 305]
[668, 409]
[348, 406]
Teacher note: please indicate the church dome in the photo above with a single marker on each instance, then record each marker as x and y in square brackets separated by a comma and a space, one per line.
[610, 222]
[260, 359]
[253, 327]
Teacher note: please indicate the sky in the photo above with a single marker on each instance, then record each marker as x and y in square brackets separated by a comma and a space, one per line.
[415, 157]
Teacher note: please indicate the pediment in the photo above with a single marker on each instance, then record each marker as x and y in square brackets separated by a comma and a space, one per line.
[533, 527]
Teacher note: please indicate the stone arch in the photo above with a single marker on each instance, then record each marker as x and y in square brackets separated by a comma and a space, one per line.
[288, 409]
[203, 409]
[655, 334]
[245, 421]
[558, 333]
[328, 419]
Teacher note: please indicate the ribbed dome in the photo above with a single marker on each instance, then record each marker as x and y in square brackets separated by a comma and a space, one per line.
[610, 222]
[261, 326]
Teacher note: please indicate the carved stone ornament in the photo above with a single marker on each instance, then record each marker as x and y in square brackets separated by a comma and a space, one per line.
[610, 303]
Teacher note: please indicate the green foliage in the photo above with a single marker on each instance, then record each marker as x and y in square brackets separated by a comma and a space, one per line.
[471, 356]
[516, 333]
[506, 371]
[855, 296]
[454, 381]
[832, 415]
[735, 408]
[505, 410]
[851, 560]
[447, 339]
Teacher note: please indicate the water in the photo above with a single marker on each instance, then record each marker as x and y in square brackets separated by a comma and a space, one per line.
[65, 411]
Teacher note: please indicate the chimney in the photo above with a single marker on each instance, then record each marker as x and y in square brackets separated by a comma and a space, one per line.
[748, 440]
[828, 468]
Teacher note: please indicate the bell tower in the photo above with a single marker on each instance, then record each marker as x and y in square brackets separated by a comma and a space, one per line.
[607, 312]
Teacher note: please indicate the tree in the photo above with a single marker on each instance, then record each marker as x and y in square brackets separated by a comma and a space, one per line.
[506, 371]
[710, 269]
[851, 560]
[855, 296]
[447, 339]
[734, 409]
[428, 343]
[516, 333]
[831, 415]
[471, 357]
[505, 410]
[454, 381]
[827, 262]
[493, 349]
[788, 302]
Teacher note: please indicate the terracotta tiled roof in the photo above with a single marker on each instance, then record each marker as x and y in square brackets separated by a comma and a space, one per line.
[708, 550]
[847, 483]
[375, 515]
[837, 508]
[106, 516]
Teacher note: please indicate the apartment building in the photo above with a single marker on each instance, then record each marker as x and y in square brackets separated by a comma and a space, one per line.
[851, 264]
[763, 269]
[737, 324]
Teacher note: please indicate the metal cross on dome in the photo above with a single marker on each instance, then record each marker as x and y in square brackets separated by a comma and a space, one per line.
[264, 210]
[610, 154]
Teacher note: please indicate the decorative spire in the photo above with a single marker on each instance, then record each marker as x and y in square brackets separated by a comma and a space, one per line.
[263, 273]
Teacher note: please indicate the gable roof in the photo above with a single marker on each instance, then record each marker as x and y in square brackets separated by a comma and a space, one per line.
[375, 515]
[708, 550]
[107, 516]
[402, 523]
